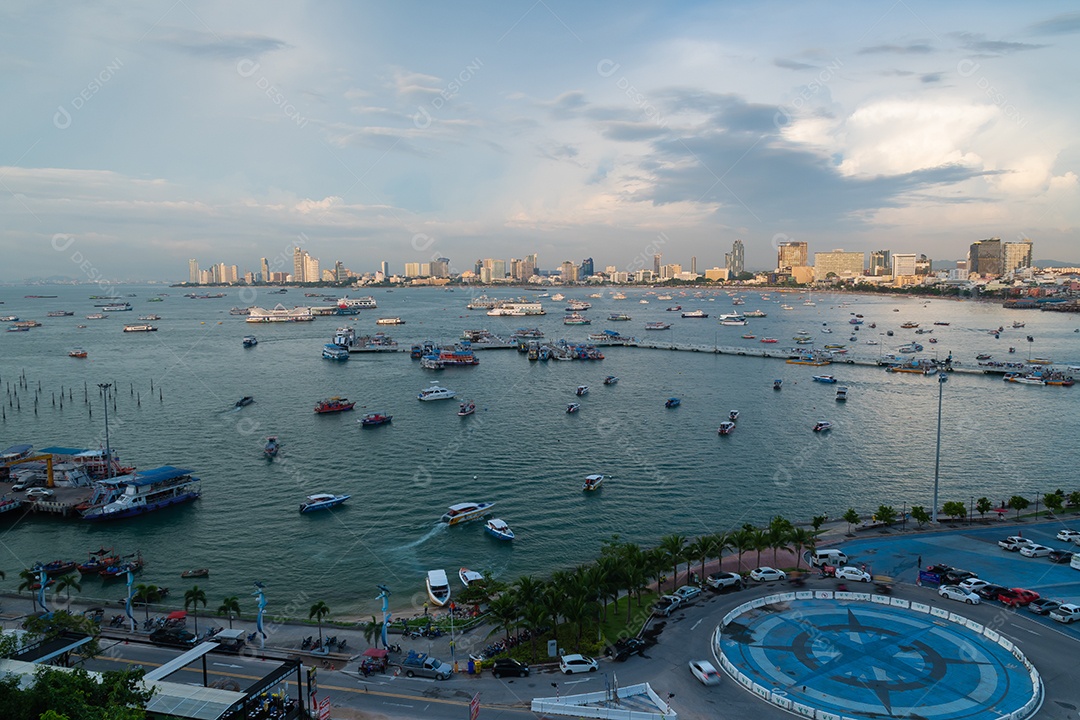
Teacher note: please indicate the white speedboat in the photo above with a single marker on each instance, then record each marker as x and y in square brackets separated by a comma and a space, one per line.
[582, 390]
[468, 576]
[463, 512]
[438, 587]
[592, 482]
[498, 529]
[436, 393]
[726, 428]
[322, 501]
[733, 415]
[822, 426]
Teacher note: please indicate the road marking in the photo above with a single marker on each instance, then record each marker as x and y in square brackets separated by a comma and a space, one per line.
[694, 626]
[1021, 627]
[397, 704]
[576, 682]
[229, 665]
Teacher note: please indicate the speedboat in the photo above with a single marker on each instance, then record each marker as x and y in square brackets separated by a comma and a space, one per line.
[611, 380]
[582, 390]
[498, 529]
[468, 576]
[748, 336]
[436, 393]
[733, 415]
[824, 378]
[333, 405]
[77, 353]
[322, 501]
[573, 407]
[777, 384]
[841, 394]
[592, 482]
[375, 419]
[198, 573]
[822, 425]
[463, 512]
[726, 428]
[438, 587]
[657, 326]
[244, 401]
[769, 340]
[466, 408]
[250, 341]
[272, 446]
[672, 402]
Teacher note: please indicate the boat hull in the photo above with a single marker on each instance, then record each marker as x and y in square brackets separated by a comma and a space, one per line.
[143, 509]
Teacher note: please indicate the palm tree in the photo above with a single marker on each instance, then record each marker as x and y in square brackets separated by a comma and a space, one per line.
[192, 598]
[674, 547]
[656, 561]
[759, 540]
[145, 594]
[527, 588]
[802, 539]
[741, 541]
[318, 611]
[71, 580]
[779, 539]
[371, 629]
[533, 619]
[229, 606]
[551, 598]
[28, 577]
[702, 549]
[504, 610]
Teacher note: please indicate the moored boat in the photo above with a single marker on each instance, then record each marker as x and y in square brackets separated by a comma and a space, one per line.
[464, 512]
[56, 568]
[769, 340]
[322, 501]
[576, 319]
[99, 560]
[148, 491]
[435, 393]
[592, 482]
[438, 587]
[375, 419]
[619, 317]
[726, 428]
[197, 573]
[468, 576]
[466, 408]
[330, 351]
[333, 405]
[390, 321]
[498, 529]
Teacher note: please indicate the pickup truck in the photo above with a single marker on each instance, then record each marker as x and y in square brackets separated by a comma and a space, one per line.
[1013, 543]
[667, 605]
[422, 665]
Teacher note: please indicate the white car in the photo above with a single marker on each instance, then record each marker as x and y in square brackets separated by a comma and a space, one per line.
[766, 574]
[1067, 613]
[1014, 543]
[687, 593]
[39, 493]
[953, 592]
[973, 584]
[704, 671]
[570, 664]
[1068, 535]
[1034, 551]
[850, 572]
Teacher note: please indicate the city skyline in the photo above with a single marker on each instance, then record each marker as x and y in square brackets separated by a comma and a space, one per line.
[163, 132]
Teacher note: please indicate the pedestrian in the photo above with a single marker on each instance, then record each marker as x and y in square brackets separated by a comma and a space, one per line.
[918, 563]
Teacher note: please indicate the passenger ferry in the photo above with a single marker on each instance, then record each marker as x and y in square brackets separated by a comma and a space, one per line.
[461, 354]
[390, 321]
[347, 304]
[576, 319]
[657, 326]
[146, 492]
[279, 314]
[140, 328]
[576, 305]
[331, 351]
[618, 317]
[517, 309]
[695, 314]
[464, 512]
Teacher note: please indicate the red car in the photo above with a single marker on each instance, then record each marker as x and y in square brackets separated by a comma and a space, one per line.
[1017, 597]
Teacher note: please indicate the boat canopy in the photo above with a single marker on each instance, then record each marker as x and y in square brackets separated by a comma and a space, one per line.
[498, 524]
[437, 578]
[161, 474]
[16, 450]
[463, 507]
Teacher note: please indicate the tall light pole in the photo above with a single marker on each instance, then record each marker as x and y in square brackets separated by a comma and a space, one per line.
[108, 452]
[942, 377]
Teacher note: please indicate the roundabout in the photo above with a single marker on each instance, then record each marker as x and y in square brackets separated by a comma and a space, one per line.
[855, 655]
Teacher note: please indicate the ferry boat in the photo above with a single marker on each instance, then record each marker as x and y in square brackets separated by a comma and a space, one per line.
[438, 587]
[272, 446]
[619, 317]
[611, 380]
[116, 308]
[466, 408]
[464, 512]
[239, 311]
[498, 529]
[467, 576]
[483, 302]
[390, 321]
[754, 314]
[726, 428]
[592, 482]
[330, 351]
[77, 353]
[695, 314]
[322, 501]
[348, 305]
[672, 402]
[657, 326]
[375, 419]
[96, 316]
[60, 313]
[824, 379]
[517, 309]
[139, 328]
[333, 405]
[786, 307]
[576, 319]
[733, 321]
[435, 393]
[431, 362]
[582, 390]
[250, 341]
[572, 408]
[460, 354]
[279, 314]
[822, 425]
[149, 318]
[148, 491]
[344, 337]
[9, 504]
[841, 394]
[577, 305]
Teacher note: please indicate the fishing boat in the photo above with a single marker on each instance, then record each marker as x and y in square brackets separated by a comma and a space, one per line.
[146, 492]
[244, 401]
[466, 408]
[726, 428]
[198, 573]
[592, 482]
[99, 560]
[77, 353]
[824, 379]
[56, 568]
[572, 407]
[822, 425]
[435, 393]
[841, 394]
[322, 501]
[334, 405]
[330, 351]
[611, 380]
[375, 419]
[139, 328]
[468, 576]
[582, 390]
[498, 529]
[777, 384]
[438, 587]
[695, 314]
[250, 341]
[657, 326]
[60, 313]
[733, 415]
[464, 512]
[672, 402]
[132, 563]
[272, 446]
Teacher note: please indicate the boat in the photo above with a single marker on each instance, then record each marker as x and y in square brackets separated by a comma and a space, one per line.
[1025, 379]
[619, 317]
[672, 402]
[558, 297]
[871, 342]
[466, 408]
[116, 308]
[322, 501]
[834, 346]
[748, 336]
[933, 341]
[435, 393]
[755, 314]
[576, 305]
[582, 390]
[464, 512]
[375, 419]
[498, 529]
[279, 314]
[333, 405]
[149, 318]
[1017, 324]
[56, 568]
[841, 394]
[786, 307]
[733, 415]
[244, 401]
[726, 428]
[941, 323]
[826, 330]
[61, 313]
[695, 314]
[657, 326]
[390, 321]
[272, 446]
[133, 563]
[199, 573]
[350, 306]
[330, 351]
[777, 384]
[733, 321]
[909, 325]
[438, 587]
[576, 319]
[769, 340]
[460, 354]
[674, 308]
[145, 492]
[592, 482]
[77, 353]
[250, 341]
[855, 321]
[99, 560]
[468, 576]
[912, 348]
[431, 362]
[139, 328]
[239, 311]
[573, 407]
[822, 425]
[824, 379]
[611, 380]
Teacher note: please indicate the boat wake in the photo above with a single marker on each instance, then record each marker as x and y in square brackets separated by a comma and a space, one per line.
[435, 530]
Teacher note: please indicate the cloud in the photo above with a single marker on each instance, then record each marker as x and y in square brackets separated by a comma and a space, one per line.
[979, 43]
[407, 83]
[567, 105]
[792, 64]
[216, 45]
[630, 131]
[557, 151]
[910, 49]
[1058, 25]
[933, 77]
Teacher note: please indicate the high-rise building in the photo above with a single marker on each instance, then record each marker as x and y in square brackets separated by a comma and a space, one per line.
[838, 263]
[384, 268]
[311, 269]
[412, 269]
[1016, 255]
[985, 257]
[880, 263]
[532, 265]
[569, 272]
[440, 267]
[657, 260]
[340, 273]
[903, 264]
[693, 264]
[298, 256]
[736, 263]
[193, 271]
[586, 270]
[791, 254]
[264, 270]
[923, 265]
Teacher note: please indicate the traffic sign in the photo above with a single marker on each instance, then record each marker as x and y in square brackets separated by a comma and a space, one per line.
[312, 682]
[474, 707]
[324, 709]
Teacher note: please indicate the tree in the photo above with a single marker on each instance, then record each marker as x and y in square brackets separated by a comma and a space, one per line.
[57, 694]
[71, 580]
[885, 514]
[801, 539]
[534, 618]
[229, 606]
[146, 594]
[318, 611]
[742, 541]
[1053, 502]
[983, 505]
[919, 515]
[759, 540]
[851, 517]
[701, 549]
[504, 612]
[29, 578]
[673, 547]
[49, 626]
[1074, 498]
[192, 598]
[818, 521]
[955, 509]
[1018, 503]
[370, 630]
[779, 531]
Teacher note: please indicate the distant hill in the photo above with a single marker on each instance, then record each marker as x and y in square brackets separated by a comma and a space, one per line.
[1056, 263]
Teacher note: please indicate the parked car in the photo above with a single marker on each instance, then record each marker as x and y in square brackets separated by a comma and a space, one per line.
[1068, 535]
[624, 648]
[569, 664]
[509, 666]
[1043, 606]
[938, 569]
[686, 593]
[827, 556]
[38, 493]
[1066, 613]
[767, 574]
[173, 637]
[1017, 597]
[973, 584]
[990, 592]
[851, 572]
[704, 671]
[1059, 556]
[955, 576]
[723, 580]
[1034, 550]
[1013, 543]
[955, 592]
[667, 605]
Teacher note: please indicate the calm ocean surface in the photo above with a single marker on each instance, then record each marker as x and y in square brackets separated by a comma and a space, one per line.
[671, 471]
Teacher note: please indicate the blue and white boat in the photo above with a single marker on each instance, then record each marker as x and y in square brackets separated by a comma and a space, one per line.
[322, 501]
[672, 402]
[777, 384]
[824, 379]
[250, 341]
[146, 492]
[498, 529]
[330, 351]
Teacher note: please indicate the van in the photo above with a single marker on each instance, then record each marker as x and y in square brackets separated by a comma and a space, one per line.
[1075, 562]
[828, 556]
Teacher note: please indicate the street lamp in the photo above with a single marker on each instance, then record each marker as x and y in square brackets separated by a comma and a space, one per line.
[108, 452]
[971, 510]
[942, 377]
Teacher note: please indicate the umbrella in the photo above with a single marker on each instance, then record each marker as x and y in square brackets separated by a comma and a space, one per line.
[177, 615]
[375, 653]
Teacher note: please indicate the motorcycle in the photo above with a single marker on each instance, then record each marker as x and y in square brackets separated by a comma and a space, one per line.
[306, 643]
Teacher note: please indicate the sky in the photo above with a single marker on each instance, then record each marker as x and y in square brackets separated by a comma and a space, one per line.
[135, 136]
